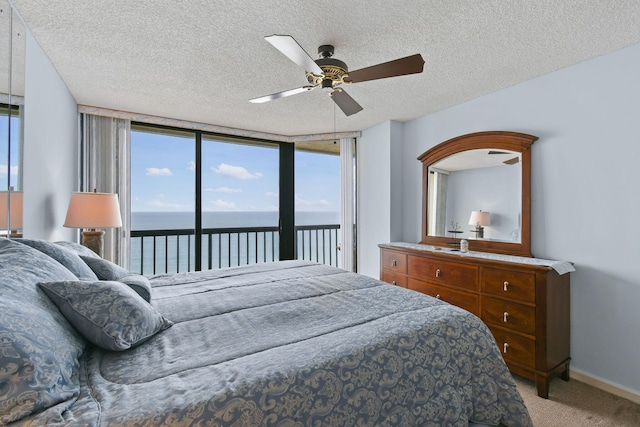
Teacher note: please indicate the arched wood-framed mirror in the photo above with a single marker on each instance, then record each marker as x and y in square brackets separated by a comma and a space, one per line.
[483, 174]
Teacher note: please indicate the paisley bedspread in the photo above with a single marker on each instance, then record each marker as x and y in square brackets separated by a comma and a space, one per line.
[296, 344]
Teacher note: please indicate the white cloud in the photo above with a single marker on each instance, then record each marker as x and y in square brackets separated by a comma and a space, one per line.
[299, 201]
[3, 170]
[221, 205]
[158, 172]
[225, 190]
[304, 203]
[161, 204]
[192, 166]
[271, 194]
[235, 171]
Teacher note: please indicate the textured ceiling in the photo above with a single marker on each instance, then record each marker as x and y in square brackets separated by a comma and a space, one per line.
[202, 60]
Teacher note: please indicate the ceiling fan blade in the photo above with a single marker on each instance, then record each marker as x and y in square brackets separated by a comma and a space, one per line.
[347, 104]
[281, 94]
[292, 50]
[399, 67]
[513, 161]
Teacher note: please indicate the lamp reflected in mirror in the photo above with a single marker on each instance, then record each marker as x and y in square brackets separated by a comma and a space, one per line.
[92, 211]
[11, 202]
[480, 220]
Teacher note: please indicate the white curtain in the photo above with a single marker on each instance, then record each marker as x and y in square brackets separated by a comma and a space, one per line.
[347, 205]
[105, 157]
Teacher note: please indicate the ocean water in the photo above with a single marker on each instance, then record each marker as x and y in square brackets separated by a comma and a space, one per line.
[184, 220]
[177, 253]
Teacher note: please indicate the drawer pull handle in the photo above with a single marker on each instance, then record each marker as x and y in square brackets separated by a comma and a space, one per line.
[394, 263]
[438, 273]
[505, 346]
[504, 316]
[438, 296]
[505, 285]
[393, 282]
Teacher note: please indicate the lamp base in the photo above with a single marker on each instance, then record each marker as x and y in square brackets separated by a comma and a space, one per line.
[13, 234]
[93, 239]
[479, 230]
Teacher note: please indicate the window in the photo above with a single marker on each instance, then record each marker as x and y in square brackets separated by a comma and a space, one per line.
[10, 163]
[240, 202]
[317, 201]
[162, 199]
[201, 201]
[10, 171]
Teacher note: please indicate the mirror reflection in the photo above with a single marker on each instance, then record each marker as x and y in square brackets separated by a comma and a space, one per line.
[476, 195]
[12, 67]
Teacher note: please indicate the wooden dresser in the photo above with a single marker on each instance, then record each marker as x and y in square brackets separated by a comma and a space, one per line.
[526, 306]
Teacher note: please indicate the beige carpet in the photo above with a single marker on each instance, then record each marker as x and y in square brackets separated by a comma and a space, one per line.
[574, 403]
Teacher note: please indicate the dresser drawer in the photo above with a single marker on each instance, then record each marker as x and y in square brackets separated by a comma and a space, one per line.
[394, 278]
[448, 273]
[394, 261]
[465, 300]
[514, 347]
[509, 284]
[511, 315]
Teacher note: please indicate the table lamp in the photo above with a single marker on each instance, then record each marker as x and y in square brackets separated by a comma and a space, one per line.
[93, 210]
[479, 219]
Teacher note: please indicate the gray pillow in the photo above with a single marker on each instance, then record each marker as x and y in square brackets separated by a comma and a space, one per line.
[103, 269]
[138, 283]
[78, 248]
[39, 349]
[109, 314]
[64, 256]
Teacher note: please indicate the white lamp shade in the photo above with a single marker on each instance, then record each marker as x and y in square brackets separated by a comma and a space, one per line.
[480, 218]
[15, 216]
[93, 210]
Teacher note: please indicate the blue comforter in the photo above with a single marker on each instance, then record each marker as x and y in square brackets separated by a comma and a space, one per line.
[296, 344]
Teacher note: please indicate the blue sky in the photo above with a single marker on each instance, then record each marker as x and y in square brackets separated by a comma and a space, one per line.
[15, 125]
[235, 177]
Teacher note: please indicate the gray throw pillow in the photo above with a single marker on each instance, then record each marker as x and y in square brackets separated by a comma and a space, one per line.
[64, 256]
[138, 283]
[109, 314]
[77, 248]
[105, 270]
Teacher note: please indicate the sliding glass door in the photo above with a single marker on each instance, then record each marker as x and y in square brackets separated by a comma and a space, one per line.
[240, 202]
[162, 200]
[202, 201]
[317, 201]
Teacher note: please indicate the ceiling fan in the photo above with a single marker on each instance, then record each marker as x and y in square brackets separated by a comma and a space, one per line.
[329, 73]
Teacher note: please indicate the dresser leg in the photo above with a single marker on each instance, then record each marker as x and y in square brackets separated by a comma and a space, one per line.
[565, 374]
[542, 384]
[542, 381]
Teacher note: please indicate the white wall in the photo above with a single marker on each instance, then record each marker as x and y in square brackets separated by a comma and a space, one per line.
[495, 190]
[379, 193]
[585, 196]
[50, 148]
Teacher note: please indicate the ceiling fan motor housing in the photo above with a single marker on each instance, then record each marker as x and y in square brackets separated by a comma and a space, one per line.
[333, 69]
[325, 51]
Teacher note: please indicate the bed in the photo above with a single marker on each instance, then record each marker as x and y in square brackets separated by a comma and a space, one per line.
[292, 343]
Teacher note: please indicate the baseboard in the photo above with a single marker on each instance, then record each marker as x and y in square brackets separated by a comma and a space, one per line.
[608, 386]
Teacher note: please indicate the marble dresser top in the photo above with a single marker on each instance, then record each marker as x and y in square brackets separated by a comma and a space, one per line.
[561, 267]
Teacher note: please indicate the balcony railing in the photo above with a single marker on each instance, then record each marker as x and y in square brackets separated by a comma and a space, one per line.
[173, 251]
